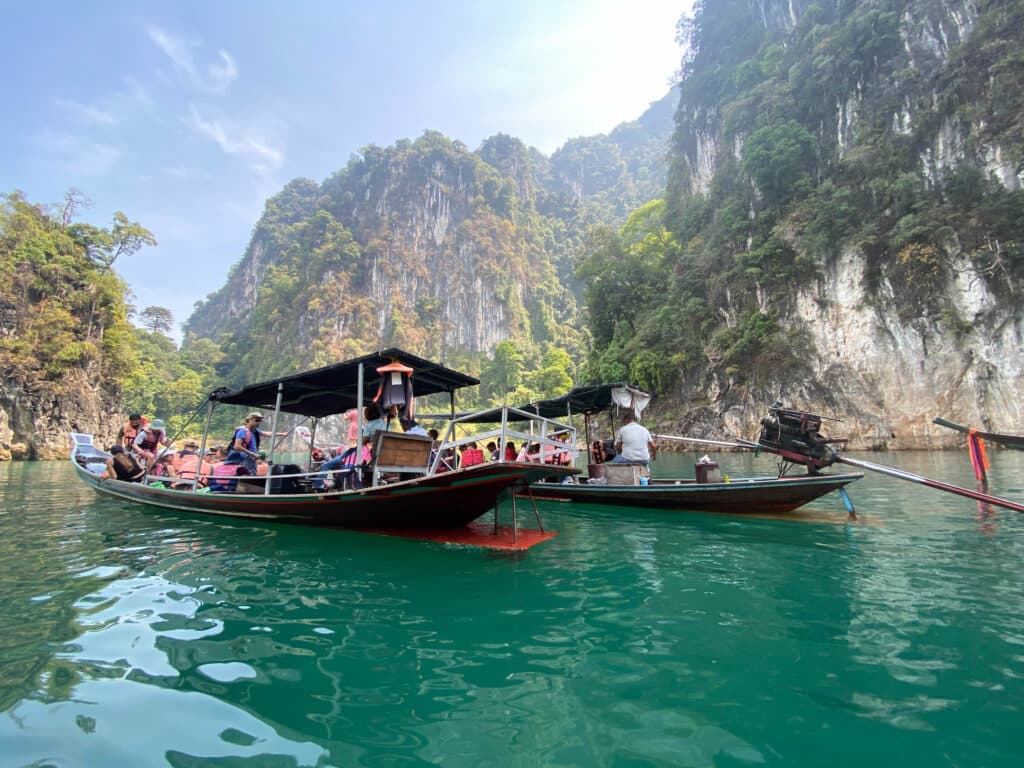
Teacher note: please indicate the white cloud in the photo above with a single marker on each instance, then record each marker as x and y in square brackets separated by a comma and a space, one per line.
[260, 154]
[215, 77]
[87, 113]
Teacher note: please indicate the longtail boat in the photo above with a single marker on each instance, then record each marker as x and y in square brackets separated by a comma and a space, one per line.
[623, 484]
[1007, 441]
[408, 485]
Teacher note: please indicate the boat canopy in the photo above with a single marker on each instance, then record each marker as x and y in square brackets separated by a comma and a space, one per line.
[586, 400]
[335, 388]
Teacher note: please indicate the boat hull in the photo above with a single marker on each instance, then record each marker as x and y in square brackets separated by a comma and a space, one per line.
[443, 501]
[1016, 442]
[760, 495]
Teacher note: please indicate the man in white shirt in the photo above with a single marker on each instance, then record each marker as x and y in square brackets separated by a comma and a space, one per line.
[634, 442]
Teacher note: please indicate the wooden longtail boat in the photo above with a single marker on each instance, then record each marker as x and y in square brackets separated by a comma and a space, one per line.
[747, 495]
[433, 498]
[758, 495]
[1007, 441]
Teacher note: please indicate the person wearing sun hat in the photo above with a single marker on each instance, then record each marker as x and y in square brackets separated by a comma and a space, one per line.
[147, 443]
[246, 440]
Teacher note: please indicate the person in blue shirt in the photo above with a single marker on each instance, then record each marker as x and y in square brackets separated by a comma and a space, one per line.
[246, 439]
[373, 420]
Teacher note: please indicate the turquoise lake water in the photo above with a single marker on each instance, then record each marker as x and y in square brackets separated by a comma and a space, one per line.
[136, 637]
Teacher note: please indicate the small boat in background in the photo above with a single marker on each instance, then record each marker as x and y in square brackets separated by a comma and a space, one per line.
[792, 435]
[1015, 442]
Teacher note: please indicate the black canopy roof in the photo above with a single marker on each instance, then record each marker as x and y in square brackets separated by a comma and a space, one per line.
[589, 399]
[334, 388]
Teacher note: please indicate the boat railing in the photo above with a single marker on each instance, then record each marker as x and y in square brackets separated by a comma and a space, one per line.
[509, 429]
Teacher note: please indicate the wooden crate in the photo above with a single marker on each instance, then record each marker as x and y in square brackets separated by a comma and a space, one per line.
[623, 474]
[398, 452]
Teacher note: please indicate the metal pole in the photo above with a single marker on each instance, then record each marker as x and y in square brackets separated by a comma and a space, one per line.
[273, 436]
[202, 446]
[312, 445]
[359, 412]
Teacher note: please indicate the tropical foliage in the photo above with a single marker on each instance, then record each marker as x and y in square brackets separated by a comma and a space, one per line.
[62, 308]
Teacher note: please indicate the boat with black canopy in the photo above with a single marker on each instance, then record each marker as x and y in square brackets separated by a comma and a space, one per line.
[626, 484]
[407, 485]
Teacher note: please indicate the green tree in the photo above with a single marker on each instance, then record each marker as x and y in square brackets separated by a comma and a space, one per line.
[124, 238]
[157, 319]
[502, 374]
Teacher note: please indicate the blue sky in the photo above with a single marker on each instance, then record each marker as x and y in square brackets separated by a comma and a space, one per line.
[188, 115]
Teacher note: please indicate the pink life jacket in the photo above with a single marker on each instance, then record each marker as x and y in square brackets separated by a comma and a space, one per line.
[224, 470]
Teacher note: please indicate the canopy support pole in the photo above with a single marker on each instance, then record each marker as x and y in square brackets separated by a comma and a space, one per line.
[273, 435]
[312, 444]
[202, 446]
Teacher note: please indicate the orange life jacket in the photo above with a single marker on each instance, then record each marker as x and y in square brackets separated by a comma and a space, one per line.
[187, 465]
[128, 432]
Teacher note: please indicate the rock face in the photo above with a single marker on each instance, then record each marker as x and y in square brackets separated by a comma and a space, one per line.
[429, 246]
[885, 372]
[36, 416]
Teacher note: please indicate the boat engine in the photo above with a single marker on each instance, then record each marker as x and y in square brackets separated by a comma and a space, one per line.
[796, 436]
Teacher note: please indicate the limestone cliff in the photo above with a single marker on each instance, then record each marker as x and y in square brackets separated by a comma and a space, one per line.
[428, 245]
[907, 302]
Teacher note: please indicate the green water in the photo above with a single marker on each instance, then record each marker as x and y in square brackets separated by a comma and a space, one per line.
[136, 637]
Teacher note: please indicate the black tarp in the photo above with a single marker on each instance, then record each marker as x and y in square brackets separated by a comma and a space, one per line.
[334, 388]
[590, 399]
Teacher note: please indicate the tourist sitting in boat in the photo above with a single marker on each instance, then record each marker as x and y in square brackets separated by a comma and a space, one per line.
[261, 464]
[373, 420]
[122, 466]
[130, 429]
[410, 427]
[492, 451]
[471, 456]
[351, 461]
[232, 467]
[162, 468]
[603, 450]
[148, 441]
[634, 443]
[510, 451]
[187, 463]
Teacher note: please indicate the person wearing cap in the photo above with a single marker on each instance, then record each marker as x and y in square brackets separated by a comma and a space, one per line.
[128, 431]
[122, 466]
[147, 443]
[246, 439]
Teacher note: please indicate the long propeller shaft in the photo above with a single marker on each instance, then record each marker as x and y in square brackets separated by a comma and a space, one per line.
[938, 484]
